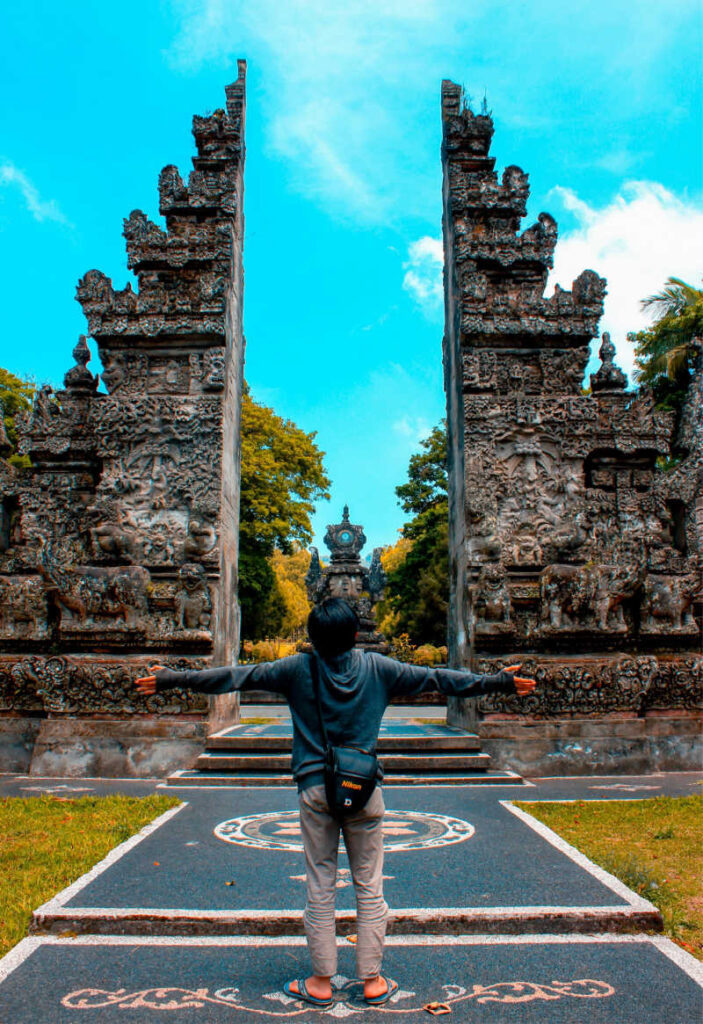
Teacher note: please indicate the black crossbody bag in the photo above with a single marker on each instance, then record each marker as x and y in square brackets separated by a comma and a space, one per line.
[351, 774]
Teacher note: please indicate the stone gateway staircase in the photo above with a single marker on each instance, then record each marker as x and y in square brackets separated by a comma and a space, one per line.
[413, 751]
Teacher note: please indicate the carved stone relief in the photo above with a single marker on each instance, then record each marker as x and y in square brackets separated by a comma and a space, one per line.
[119, 536]
[573, 536]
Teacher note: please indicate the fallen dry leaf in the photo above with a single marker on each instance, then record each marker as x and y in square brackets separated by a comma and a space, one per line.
[437, 1009]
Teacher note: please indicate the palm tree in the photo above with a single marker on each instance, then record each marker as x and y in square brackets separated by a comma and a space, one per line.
[665, 353]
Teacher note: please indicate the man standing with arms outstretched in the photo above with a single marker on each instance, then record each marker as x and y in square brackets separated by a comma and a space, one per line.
[355, 688]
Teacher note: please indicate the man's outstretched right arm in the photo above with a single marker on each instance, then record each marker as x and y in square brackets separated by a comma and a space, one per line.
[269, 675]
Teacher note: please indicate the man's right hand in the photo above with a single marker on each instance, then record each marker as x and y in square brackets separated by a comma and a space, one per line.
[147, 684]
[523, 684]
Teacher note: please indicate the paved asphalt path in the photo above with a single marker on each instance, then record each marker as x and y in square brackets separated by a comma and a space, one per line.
[432, 858]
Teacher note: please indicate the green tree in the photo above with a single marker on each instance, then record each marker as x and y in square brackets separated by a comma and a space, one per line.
[664, 351]
[16, 395]
[282, 477]
[417, 595]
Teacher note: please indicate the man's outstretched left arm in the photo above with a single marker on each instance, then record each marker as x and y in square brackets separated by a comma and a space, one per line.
[411, 680]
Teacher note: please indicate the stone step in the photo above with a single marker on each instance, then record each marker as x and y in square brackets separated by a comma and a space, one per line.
[191, 777]
[402, 734]
[458, 742]
[392, 763]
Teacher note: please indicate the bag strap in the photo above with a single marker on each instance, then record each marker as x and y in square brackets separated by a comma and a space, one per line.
[316, 687]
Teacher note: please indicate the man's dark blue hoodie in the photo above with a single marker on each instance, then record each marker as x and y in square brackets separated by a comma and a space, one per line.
[355, 689]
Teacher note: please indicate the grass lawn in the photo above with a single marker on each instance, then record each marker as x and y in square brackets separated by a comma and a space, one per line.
[654, 846]
[48, 842]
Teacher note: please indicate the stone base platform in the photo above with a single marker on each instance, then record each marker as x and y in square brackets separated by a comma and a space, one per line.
[612, 744]
[526, 979]
[17, 737]
[136, 747]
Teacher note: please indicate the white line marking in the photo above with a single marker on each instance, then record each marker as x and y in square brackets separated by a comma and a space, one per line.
[653, 775]
[396, 913]
[34, 941]
[112, 857]
[456, 786]
[682, 959]
[515, 940]
[89, 778]
[17, 956]
[215, 789]
[604, 877]
[12, 960]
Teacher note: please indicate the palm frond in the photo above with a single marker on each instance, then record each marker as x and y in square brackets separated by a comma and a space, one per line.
[673, 299]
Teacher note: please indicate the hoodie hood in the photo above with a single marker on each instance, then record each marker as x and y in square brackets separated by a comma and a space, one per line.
[340, 675]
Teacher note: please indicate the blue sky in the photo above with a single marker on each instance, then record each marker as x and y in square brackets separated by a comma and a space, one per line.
[600, 103]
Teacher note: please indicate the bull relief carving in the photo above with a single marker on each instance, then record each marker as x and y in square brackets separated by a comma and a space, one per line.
[569, 525]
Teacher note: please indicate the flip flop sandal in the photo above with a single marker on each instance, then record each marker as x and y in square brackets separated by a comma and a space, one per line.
[385, 996]
[306, 997]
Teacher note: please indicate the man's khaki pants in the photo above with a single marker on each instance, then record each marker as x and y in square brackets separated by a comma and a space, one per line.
[363, 839]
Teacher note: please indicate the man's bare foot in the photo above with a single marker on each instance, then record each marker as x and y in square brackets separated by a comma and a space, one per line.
[374, 987]
[316, 985]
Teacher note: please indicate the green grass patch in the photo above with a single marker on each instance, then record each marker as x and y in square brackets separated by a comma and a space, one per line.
[48, 842]
[654, 846]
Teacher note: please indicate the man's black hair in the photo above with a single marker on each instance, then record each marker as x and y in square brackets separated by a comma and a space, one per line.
[332, 627]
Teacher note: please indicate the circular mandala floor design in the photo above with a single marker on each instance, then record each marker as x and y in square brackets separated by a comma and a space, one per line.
[402, 830]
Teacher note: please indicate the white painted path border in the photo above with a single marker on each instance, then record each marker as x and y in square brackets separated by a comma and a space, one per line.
[111, 858]
[604, 877]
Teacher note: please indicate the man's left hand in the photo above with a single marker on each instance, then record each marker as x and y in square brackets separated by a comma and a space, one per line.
[147, 684]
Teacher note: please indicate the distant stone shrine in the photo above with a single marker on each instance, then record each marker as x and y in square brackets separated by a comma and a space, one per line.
[571, 550]
[118, 546]
[347, 577]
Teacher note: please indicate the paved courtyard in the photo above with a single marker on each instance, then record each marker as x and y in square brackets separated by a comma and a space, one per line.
[198, 918]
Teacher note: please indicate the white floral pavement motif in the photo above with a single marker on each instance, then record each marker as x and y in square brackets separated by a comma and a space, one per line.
[349, 1000]
[402, 830]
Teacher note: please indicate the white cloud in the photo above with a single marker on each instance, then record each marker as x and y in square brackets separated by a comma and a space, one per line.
[349, 92]
[619, 160]
[412, 428]
[423, 273]
[644, 235]
[343, 85]
[41, 209]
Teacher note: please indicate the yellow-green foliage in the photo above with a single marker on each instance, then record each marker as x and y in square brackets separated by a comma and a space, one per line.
[266, 650]
[47, 842]
[428, 655]
[16, 395]
[290, 572]
[654, 846]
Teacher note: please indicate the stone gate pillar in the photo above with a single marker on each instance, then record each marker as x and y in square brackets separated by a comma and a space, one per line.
[573, 542]
[121, 544]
